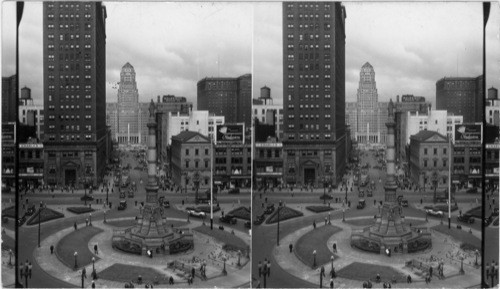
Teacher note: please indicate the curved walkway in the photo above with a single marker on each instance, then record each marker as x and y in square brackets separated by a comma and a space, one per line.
[346, 255]
[203, 246]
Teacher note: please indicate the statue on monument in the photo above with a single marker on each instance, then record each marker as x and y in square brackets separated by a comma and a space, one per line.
[152, 109]
[391, 109]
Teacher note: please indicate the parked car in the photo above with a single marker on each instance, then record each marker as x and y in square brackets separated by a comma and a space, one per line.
[361, 204]
[122, 205]
[370, 193]
[435, 213]
[87, 197]
[466, 218]
[472, 190]
[130, 193]
[122, 195]
[361, 194]
[259, 219]
[228, 218]
[234, 191]
[404, 203]
[269, 209]
[31, 210]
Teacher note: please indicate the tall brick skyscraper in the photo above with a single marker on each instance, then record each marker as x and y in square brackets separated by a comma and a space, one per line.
[314, 141]
[74, 61]
[128, 130]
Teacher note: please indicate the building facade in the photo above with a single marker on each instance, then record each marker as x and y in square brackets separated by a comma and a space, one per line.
[314, 92]
[31, 164]
[31, 114]
[467, 155]
[492, 108]
[268, 164]
[429, 159]
[228, 97]
[268, 113]
[9, 86]
[434, 120]
[191, 160]
[74, 38]
[491, 162]
[198, 121]
[461, 96]
[128, 111]
[232, 165]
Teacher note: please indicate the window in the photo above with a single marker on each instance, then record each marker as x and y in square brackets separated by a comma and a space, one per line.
[187, 152]
[435, 163]
[425, 151]
[425, 163]
[187, 164]
[195, 152]
[444, 151]
[435, 151]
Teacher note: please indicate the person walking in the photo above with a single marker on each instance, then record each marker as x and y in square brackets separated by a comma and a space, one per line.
[269, 268]
[314, 224]
[290, 247]
[93, 284]
[51, 249]
[260, 268]
[331, 283]
[76, 227]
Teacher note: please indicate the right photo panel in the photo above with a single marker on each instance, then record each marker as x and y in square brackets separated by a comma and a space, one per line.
[368, 160]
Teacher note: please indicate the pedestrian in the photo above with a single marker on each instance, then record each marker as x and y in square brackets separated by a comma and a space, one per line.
[408, 279]
[334, 247]
[430, 271]
[314, 224]
[171, 280]
[260, 268]
[96, 251]
[193, 271]
[93, 284]
[30, 268]
[269, 268]
[331, 283]
[86, 222]
[51, 249]
[84, 273]
[322, 271]
[290, 247]
[326, 219]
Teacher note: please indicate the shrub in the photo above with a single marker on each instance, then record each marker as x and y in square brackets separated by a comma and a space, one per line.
[45, 215]
[285, 213]
[468, 247]
[319, 209]
[80, 210]
[241, 213]
[206, 209]
[325, 196]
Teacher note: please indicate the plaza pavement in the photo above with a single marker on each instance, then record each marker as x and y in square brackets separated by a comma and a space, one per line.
[109, 256]
[346, 255]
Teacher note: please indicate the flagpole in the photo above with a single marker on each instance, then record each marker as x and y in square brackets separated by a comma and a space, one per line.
[449, 186]
[211, 184]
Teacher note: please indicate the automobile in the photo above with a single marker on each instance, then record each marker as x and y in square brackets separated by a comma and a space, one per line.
[269, 209]
[435, 213]
[399, 198]
[228, 218]
[130, 193]
[122, 205]
[196, 213]
[31, 210]
[87, 197]
[404, 203]
[361, 194]
[370, 193]
[466, 218]
[166, 204]
[361, 204]
[259, 219]
[20, 221]
[472, 190]
[495, 212]
[234, 191]
[248, 224]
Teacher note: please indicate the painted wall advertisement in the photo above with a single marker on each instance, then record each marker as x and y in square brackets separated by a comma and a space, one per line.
[468, 133]
[230, 133]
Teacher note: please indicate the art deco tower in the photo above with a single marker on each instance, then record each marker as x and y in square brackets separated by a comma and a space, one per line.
[128, 107]
[367, 106]
[314, 142]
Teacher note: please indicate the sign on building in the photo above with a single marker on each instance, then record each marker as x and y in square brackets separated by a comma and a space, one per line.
[230, 133]
[469, 133]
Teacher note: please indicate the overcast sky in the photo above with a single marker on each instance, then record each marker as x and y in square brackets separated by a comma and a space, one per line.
[171, 45]
[410, 45]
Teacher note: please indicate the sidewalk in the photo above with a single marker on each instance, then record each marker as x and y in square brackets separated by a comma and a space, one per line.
[204, 245]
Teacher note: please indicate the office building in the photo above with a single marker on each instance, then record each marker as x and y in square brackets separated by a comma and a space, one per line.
[492, 109]
[9, 85]
[128, 110]
[314, 93]
[268, 113]
[461, 96]
[31, 114]
[228, 97]
[74, 70]
[197, 121]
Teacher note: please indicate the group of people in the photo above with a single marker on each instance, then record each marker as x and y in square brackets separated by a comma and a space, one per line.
[264, 268]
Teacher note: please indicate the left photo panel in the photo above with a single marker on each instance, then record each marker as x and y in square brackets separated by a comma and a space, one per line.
[126, 144]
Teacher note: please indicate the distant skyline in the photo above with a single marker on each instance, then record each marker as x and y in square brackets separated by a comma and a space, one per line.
[172, 45]
[410, 45]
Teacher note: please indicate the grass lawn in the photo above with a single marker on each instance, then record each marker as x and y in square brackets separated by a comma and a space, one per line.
[9, 212]
[364, 272]
[462, 236]
[315, 240]
[371, 221]
[8, 243]
[80, 210]
[77, 241]
[126, 273]
[45, 215]
[132, 222]
[285, 214]
[225, 237]
[241, 213]
[319, 209]
[476, 212]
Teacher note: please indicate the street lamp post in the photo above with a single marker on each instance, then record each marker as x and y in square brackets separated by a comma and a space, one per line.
[343, 215]
[346, 195]
[39, 222]
[83, 276]
[462, 272]
[90, 219]
[331, 259]
[76, 259]
[265, 274]
[239, 258]
[224, 268]
[324, 191]
[278, 230]
[329, 222]
[10, 257]
[94, 272]
[314, 258]
[477, 253]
